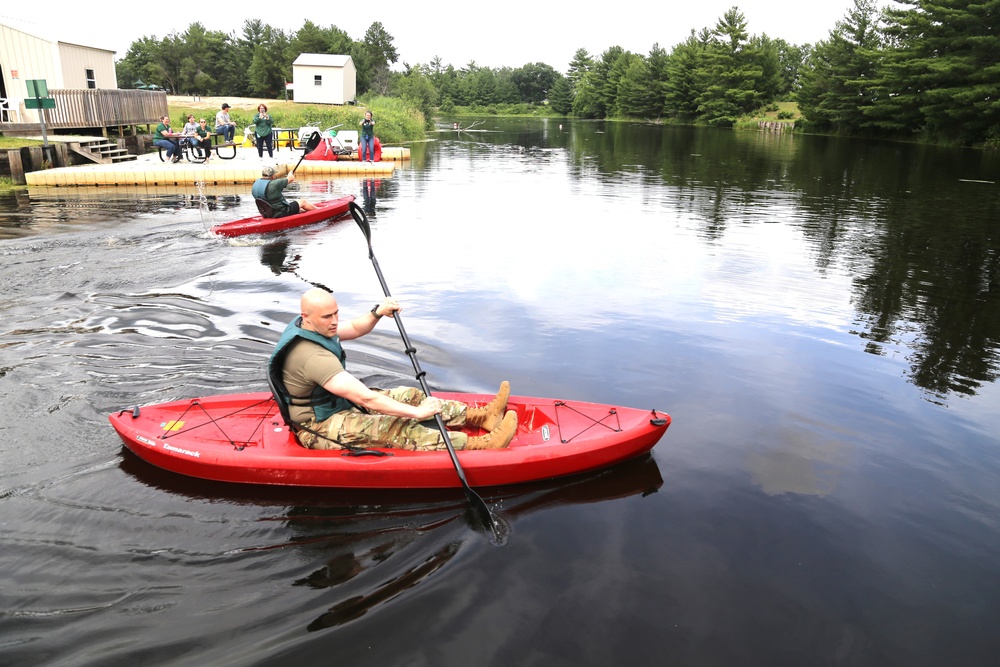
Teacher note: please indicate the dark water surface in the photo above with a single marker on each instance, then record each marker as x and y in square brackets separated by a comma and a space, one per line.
[820, 317]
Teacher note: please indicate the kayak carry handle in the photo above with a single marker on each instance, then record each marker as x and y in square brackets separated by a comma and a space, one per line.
[365, 452]
[135, 411]
[657, 422]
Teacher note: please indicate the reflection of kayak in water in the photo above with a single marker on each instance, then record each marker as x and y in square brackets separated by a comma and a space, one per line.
[258, 224]
[242, 438]
[631, 478]
[308, 507]
[369, 548]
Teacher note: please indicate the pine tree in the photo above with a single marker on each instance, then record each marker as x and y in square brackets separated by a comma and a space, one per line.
[580, 65]
[839, 80]
[637, 92]
[561, 97]
[683, 87]
[730, 73]
[942, 74]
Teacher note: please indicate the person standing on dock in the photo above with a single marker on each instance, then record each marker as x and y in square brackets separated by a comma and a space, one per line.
[264, 129]
[224, 125]
[368, 138]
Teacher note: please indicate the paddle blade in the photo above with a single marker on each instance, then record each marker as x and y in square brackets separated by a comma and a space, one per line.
[313, 141]
[359, 216]
[496, 527]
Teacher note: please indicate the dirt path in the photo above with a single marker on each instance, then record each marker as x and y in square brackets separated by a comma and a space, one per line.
[215, 103]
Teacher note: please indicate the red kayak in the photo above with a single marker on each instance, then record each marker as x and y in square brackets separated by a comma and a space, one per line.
[325, 210]
[242, 438]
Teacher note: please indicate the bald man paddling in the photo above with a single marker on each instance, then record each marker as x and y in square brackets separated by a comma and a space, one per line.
[331, 409]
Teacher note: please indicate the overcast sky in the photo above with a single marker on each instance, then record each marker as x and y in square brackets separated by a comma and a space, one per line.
[507, 33]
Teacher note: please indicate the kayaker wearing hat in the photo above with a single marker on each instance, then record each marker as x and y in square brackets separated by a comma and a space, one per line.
[270, 187]
[332, 409]
[224, 125]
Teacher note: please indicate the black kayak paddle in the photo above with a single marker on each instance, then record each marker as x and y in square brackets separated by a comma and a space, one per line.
[311, 143]
[487, 517]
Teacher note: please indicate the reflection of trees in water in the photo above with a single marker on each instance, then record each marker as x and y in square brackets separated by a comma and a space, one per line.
[925, 248]
[41, 207]
[922, 243]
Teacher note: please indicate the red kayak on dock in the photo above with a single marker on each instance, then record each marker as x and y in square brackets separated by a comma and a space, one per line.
[258, 224]
[242, 438]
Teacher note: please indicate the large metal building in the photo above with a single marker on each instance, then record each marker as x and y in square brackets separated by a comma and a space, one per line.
[63, 65]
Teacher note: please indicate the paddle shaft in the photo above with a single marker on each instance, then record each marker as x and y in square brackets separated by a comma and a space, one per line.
[499, 528]
[412, 353]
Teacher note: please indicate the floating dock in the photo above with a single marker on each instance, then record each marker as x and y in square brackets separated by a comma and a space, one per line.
[245, 167]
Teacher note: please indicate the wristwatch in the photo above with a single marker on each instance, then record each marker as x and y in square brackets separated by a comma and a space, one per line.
[375, 311]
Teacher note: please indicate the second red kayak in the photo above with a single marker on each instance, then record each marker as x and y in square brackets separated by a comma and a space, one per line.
[325, 210]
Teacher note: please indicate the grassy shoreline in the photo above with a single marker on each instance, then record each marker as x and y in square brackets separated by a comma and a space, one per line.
[395, 121]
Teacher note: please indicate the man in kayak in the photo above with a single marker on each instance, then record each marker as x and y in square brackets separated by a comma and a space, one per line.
[331, 409]
[270, 188]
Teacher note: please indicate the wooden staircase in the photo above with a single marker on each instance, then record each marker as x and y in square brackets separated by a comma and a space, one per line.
[100, 151]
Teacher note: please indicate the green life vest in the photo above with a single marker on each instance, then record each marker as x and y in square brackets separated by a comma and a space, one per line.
[324, 404]
[259, 188]
[273, 193]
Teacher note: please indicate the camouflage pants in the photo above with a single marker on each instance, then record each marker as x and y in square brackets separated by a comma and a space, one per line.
[359, 429]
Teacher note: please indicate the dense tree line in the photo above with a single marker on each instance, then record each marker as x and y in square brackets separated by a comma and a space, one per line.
[714, 76]
[254, 63]
[928, 68]
[925, 67]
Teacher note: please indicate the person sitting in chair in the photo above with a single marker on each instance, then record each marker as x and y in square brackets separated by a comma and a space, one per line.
[190, 129]
[203, 141]
[269, 188]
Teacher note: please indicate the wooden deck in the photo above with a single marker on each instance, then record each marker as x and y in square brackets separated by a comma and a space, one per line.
[85, 111]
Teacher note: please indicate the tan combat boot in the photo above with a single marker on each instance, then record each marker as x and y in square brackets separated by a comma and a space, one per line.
[488, 417]
[499, 437]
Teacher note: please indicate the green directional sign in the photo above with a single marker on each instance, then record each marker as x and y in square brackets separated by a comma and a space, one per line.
[39, 103]
[38, 88]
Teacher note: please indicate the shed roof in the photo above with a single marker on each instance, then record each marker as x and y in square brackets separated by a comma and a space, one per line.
[321, 60]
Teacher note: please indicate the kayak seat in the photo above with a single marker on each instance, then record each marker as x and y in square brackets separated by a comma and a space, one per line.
[264, 208]
[281, 404]
[287, 418]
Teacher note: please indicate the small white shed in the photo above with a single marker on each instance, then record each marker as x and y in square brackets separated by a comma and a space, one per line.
[322, 78]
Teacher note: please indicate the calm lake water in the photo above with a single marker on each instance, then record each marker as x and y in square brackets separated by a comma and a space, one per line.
[820, 316]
